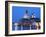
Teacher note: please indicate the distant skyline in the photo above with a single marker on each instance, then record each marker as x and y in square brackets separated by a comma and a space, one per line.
[18, 12]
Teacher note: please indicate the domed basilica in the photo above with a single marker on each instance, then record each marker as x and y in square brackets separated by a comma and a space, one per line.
[27, 22]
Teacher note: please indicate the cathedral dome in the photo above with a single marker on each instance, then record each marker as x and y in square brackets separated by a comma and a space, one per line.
[26, 15]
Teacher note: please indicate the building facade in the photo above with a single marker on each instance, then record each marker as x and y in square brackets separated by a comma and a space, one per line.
[27, 23]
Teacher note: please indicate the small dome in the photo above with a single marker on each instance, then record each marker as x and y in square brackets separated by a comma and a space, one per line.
[33, 15]
[26, 16]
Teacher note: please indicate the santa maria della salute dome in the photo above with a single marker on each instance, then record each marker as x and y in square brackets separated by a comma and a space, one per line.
[27, 22]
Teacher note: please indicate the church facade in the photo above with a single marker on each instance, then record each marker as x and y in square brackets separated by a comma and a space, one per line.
[27, 23]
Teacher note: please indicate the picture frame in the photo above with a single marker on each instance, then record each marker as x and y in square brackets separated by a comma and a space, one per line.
[11, 18]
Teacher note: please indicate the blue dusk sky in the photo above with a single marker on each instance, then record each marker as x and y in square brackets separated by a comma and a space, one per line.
[18, 12]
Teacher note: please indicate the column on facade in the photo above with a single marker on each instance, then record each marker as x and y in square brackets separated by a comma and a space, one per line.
[16, 26]
[30, 26]
[21, 27]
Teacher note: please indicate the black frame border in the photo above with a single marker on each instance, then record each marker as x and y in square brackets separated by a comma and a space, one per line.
[6, 18]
